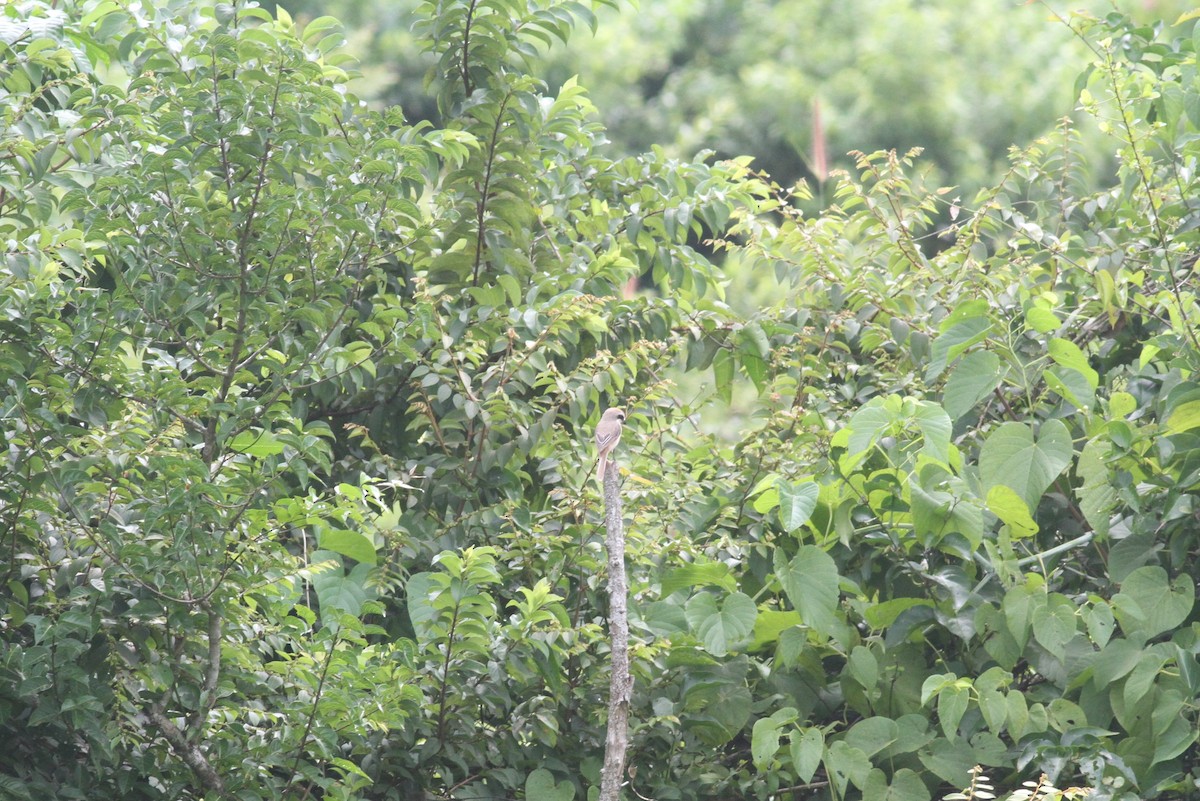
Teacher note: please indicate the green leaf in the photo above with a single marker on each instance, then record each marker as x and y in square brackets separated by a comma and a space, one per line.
[867, 425]
[1178, 737]
[884, 614]
[340, 591]
[962, 329]
[796, 503]
[872, 735]
[764, 739]
[1013, 458]
[810, 581]
[540, 786]
[421, 611]
[952, 705]
[1054, 623]
[1065, 715]
[935, 426]
[1114, 661]
[1141, 678]
[1150, 604]
[724, 367]
[1072, 386]
[1098, 618]
[354, 544]
[950, 760]
[846, 765]
[721, 626]
[1189, 670]
[932, 513]
[972, 379]
[1131, 553]
[702, 574]
[771, 624]
[906, 785]
[256, 443]
[864, 668]
[1097, 495]
[806, 751]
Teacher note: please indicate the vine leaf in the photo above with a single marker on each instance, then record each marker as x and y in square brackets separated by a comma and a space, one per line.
[1013, 458]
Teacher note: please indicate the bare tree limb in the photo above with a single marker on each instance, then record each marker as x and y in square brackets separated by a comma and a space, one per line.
[189, 753]
[620, 688]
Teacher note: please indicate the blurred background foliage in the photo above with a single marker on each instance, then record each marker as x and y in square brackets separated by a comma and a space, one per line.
[963, 79]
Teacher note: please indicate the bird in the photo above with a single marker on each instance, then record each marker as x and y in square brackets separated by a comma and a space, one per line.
[608, 434]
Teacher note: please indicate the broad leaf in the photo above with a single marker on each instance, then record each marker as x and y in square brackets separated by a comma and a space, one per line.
[810, 581]
[1011, 456]
[807, 747]
[796, 503]
[723, 625]
[972, 379]
[1150, 604]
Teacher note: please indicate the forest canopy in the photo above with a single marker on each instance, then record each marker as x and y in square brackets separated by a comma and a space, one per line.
[298, 393]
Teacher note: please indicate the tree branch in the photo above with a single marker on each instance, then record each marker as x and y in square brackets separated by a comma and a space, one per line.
[190, 754]
[620, 688]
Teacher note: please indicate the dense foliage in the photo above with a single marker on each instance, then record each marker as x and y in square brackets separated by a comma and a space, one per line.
[295, 501]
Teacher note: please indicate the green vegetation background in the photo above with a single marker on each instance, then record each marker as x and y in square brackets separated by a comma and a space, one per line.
[296, 497]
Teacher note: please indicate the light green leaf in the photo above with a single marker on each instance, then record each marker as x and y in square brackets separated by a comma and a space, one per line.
[724, 367]
[1013, 458]
[1041, 320]
[1184, 417]
[767, 500]
[884, 614]
[355, 544]
[1066, 353]
[256, 443]
[1006, 504]
[770, 624]
[1121, 404]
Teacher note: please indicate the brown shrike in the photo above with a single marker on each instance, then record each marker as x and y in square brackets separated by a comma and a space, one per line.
[608, 434]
